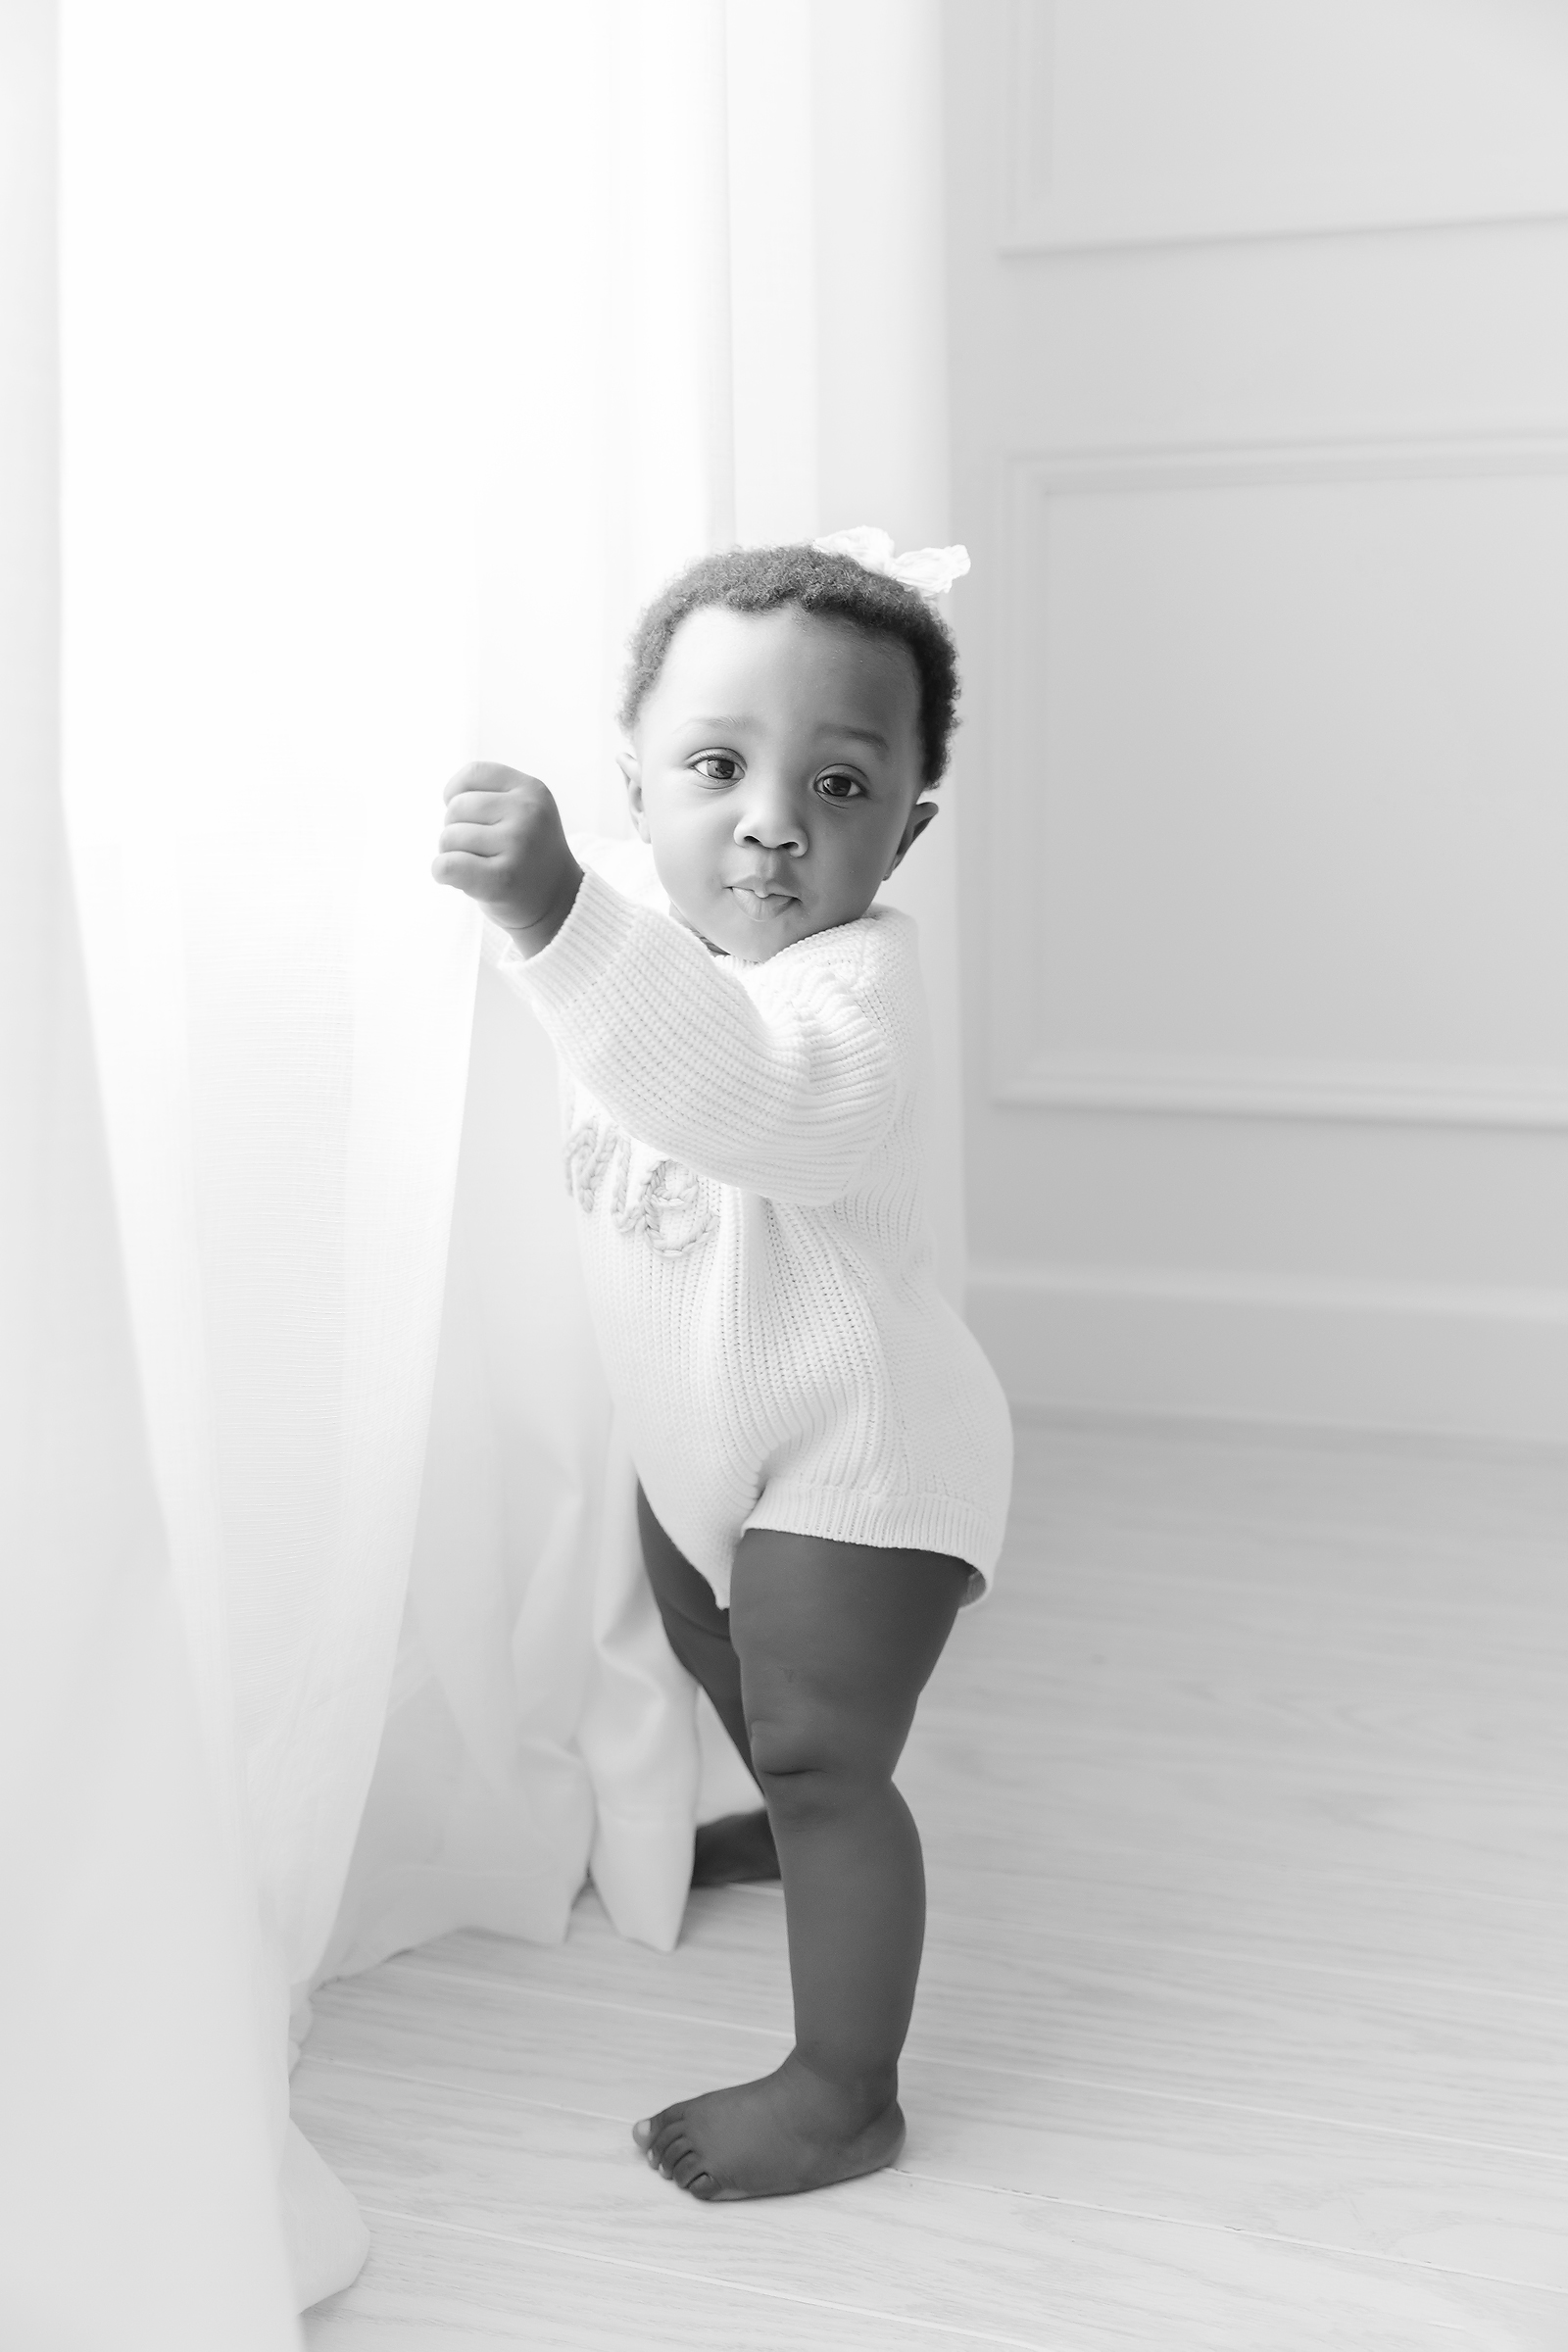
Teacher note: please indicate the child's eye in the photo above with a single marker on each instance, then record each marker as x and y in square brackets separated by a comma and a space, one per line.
[720, 767]
[836, 786]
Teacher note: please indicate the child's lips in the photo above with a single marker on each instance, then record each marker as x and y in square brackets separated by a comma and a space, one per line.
[759, 898]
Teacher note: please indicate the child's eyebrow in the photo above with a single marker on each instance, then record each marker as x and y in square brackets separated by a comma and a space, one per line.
[832, 726]
[706, 723]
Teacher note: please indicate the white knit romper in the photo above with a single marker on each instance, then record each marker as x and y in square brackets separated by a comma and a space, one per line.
[743, 1146]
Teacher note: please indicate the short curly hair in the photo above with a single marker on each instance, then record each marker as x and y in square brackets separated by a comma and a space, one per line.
[764, 580]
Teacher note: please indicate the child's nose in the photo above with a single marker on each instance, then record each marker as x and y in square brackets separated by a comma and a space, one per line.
[773, 820]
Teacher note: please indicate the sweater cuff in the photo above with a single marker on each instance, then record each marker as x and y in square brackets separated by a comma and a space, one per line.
[600, 925]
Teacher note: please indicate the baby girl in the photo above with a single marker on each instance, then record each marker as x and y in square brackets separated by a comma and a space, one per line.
[823, 1451]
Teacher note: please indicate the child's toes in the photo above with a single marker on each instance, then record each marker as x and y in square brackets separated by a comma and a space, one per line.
[672, 2153]
[652, 2134]
[685, 2168]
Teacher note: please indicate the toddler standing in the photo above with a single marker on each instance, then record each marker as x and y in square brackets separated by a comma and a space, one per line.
[823, 1451]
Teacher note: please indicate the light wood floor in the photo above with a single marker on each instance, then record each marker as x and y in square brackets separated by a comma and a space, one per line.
[1244, 2026]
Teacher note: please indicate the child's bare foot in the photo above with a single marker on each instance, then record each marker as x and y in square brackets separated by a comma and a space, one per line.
[790, 2131]
[735, 1851]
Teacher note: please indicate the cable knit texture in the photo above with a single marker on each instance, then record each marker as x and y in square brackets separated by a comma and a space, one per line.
[743, 1144]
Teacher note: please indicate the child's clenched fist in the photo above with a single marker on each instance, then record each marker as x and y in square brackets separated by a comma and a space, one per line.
[502, 843]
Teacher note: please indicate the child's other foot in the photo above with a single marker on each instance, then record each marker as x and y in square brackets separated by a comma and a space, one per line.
[736, 1851]
[791, 2130]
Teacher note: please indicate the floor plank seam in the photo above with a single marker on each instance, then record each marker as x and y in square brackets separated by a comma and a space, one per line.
[1552, 1909]
[914, 2054]
[409, 1965]
[1276, 2115]
[987, 2188]
[1157, 1947]
[584, 2001]
[507, 2098]
[1237, 2229]
[740, 2287]
[1396, 1774]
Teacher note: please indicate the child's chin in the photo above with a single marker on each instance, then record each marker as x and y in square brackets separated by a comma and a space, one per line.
[729, 932]
[745, 947]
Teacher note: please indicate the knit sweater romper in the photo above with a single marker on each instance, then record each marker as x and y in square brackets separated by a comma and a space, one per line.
[743, 1146]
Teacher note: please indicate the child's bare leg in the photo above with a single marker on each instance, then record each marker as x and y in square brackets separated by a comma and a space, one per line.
[835, 1641]
[738, 1850]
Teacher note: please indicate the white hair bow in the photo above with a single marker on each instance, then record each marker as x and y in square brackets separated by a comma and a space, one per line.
[929, 570]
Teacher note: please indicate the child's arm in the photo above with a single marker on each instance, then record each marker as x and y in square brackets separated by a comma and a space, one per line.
[781, 1086]
[781, 1083]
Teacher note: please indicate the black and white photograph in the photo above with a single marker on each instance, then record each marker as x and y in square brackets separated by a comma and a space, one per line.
[784, 1175]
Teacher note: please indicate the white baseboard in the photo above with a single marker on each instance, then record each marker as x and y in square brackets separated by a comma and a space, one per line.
[1489, 1364]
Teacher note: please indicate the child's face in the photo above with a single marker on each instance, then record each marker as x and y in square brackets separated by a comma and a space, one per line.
[776, 771]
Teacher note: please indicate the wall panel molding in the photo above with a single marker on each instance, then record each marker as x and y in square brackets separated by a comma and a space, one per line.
[1027, 1074]
[1496, 449]
[1185, 136]
[1375, 1095]
[1423, 1359]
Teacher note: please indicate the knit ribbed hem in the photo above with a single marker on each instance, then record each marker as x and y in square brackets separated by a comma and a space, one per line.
[599, 923]
[965, 1531]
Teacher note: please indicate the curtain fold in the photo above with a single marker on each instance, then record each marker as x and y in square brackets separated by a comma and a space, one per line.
[536, 1703]
[136, 2161]
[405, 352]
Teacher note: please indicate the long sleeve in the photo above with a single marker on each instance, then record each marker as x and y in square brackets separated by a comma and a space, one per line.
[781, 1082]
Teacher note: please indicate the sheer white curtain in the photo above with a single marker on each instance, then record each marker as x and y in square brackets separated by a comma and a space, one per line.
[405, 351]
[136, 2166]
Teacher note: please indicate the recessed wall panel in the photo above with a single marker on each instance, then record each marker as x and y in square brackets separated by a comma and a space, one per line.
[1150, 122]
[1285, 783]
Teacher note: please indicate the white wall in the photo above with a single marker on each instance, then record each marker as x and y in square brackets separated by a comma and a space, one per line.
[1260, 419]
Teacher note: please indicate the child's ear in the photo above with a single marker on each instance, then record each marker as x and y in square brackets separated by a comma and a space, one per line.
[920, 816]
[631, 772]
